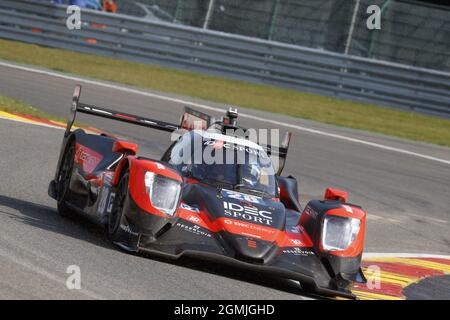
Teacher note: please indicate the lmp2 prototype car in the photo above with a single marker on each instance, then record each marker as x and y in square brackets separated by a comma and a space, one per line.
[244, 214]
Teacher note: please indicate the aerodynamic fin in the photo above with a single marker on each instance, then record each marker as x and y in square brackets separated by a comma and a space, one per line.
[280, 152]
[193, 119]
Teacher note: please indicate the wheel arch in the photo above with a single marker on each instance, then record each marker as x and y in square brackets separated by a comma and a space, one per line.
[122, 166]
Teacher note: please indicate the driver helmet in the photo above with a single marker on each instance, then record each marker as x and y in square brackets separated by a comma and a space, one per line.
[251, 174]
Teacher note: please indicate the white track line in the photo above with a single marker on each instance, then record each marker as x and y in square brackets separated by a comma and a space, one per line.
[403, 255]
[206, 107]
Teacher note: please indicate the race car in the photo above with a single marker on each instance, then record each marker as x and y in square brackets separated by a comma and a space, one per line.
[241, 213]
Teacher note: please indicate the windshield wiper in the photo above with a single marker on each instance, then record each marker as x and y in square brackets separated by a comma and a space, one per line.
[242, 187]
[218, 184]
[213, 182]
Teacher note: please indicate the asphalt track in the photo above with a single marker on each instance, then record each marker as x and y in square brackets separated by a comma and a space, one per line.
[403, 185]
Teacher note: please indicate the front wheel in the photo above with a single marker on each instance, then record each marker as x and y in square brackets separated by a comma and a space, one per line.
[117, 212]
[63, 181]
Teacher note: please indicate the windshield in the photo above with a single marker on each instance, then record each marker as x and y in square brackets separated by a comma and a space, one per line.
[227, 165]
[251, 178]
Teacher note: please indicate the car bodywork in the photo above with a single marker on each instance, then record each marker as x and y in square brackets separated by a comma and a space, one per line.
[267, 234]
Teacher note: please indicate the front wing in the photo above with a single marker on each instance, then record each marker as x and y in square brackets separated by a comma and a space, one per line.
[182, 238]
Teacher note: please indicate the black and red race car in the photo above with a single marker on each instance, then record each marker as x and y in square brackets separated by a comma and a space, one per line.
[242, 213]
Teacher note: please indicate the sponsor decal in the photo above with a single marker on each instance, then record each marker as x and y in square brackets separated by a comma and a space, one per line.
[193, 229]
[194, 219]
[111, 202]
[87, 158]
[220, 144]
[248, 213]
[189, 208]
[295, 241]
[261, 231]
[211, 138]
[298, 252]
[128, 230]
[242, 196]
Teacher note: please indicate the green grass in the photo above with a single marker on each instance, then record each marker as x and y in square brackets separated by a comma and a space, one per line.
[18, 107]
[307, 106]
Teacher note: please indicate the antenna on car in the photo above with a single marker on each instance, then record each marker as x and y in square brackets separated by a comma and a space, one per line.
[232, 115]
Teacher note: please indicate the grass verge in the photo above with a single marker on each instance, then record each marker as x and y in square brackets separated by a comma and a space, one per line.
[367, 117]
[18, 107]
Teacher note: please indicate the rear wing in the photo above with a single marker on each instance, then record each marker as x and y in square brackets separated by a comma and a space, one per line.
[191, 119]
[78, 106]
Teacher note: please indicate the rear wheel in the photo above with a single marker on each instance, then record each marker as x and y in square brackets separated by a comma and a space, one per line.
[117, 212]
[63, 182]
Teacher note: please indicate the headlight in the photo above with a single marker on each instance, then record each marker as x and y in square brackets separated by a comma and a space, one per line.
[164, 192]
[339, 232]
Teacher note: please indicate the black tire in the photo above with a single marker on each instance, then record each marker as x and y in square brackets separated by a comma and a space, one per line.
[63, 181]
[117, 212]
[308, 287]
